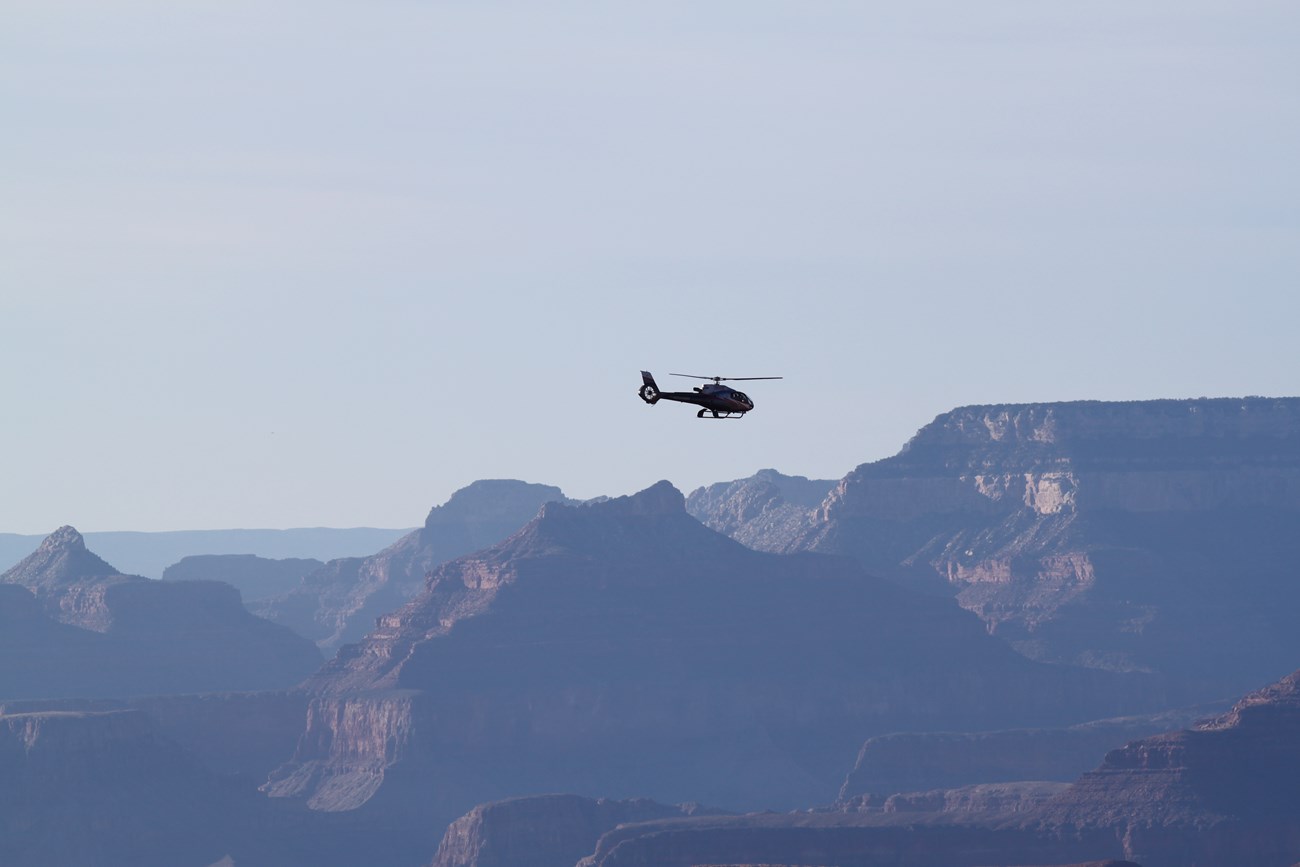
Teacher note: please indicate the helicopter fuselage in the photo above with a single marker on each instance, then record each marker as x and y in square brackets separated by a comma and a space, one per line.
[721, 401]
[718, 398]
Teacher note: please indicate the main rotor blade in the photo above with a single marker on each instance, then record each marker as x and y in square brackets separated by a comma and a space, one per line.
[724, 378]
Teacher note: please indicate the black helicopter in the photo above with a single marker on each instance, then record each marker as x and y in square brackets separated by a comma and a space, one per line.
[720, 400]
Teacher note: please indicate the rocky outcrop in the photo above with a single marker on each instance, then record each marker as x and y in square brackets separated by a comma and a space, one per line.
[1153, 535]
[622, 647]
[78, 628]
[919, 761]
[992, 798]
[338, 602]
[767, 511]
[541, 831]
[1225, 792]
[255, 578]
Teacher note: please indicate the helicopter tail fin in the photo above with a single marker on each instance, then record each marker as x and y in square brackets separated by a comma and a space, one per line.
[649, 389]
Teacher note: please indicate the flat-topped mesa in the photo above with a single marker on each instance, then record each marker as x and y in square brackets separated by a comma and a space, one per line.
[1060, 457]
[1115, 535]
[489, 501]
[1032, 436]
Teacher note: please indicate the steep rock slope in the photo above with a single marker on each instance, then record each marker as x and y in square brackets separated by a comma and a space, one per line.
[623, 648]
[1152, 535]
[338, 602]
[93, 631]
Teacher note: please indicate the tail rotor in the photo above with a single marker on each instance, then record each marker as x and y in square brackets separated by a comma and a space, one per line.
[649, 391]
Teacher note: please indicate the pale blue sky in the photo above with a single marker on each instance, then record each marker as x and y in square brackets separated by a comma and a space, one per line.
[300, 264]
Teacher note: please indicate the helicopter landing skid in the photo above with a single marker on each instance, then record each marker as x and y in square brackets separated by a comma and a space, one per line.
[718, 414]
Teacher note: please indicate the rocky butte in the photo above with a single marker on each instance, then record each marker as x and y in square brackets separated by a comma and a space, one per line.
[74, 626]
[338, 602]
[1148, 535]
[622, 649]
[256, 578]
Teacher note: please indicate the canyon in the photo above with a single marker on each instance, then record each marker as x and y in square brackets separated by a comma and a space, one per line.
[1022, 640]
[622, 649]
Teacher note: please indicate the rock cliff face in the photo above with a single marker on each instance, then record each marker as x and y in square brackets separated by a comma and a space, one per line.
[256, 578]
[764, 512]
[1156, 535]
[1226, 792]
[338, 602]
[919, 761]
[822, 840]
[624, 648]
[77, 627]
[1223, 794]
[542, 831]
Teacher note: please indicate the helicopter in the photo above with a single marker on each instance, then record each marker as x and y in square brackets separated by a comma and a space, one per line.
[721, 401]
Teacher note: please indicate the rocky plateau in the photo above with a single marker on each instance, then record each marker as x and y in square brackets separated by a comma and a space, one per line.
[1145, 536]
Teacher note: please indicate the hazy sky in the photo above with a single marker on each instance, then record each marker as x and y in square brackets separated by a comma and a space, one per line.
[273, 264]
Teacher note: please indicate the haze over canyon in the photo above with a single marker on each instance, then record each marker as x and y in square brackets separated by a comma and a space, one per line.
[1040, 634]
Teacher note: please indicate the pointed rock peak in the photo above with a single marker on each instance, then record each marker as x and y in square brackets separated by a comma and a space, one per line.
[60, 560]
[661, 498]
[66, 537]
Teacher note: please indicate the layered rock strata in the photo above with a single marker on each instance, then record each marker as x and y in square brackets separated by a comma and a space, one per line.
[918, 761]
[1151, 535]
[1224, 793]
[764, 512]
[541, 831]
[623, 648]
[339, 602]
